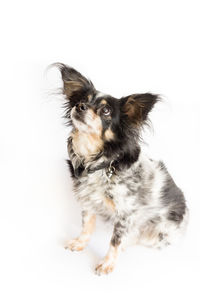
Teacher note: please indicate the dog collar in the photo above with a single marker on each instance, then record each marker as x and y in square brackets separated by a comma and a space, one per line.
[110, 169]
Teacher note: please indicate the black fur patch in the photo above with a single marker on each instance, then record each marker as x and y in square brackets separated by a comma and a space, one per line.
[71, 169]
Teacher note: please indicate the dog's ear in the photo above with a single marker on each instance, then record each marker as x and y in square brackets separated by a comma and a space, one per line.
[137, 106]
[74, 83]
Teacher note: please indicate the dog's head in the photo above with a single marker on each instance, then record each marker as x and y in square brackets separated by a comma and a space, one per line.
[112, 124]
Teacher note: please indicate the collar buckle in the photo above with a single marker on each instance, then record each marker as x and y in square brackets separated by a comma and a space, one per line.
[111, 170]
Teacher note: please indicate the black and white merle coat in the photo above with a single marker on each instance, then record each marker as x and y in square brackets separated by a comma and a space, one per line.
[112, 177]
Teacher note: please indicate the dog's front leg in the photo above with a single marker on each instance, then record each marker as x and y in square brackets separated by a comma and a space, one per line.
[88, 225]
[108, 263]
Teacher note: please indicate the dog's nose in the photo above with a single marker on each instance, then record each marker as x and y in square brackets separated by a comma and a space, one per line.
[81, 107]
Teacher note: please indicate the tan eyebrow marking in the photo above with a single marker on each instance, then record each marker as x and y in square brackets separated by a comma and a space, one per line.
[109, 135]
[89, 97]
[103, 101]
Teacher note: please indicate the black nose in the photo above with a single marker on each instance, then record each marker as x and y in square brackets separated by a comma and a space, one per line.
[80, 107]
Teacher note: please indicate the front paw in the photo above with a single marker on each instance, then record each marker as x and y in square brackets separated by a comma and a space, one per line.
[75, 245]
[105, 267]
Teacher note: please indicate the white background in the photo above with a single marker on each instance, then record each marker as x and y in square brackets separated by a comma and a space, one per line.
[124, 47]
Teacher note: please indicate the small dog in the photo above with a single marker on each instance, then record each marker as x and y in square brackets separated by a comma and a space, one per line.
[111, 176]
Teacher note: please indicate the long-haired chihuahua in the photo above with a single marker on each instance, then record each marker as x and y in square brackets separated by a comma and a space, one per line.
[112, 178]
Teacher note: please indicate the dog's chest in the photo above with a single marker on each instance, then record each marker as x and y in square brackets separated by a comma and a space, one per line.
[104, 195]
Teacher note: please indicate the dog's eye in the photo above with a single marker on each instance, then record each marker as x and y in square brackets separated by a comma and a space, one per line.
[106, 110]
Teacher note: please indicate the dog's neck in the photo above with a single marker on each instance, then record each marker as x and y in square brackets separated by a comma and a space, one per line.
[82, 152]
[96, 161]
[87, 146]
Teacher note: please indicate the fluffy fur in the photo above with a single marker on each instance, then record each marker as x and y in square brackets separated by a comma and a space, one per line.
[111, 176]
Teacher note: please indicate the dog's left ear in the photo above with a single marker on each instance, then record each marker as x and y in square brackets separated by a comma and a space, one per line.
[137, 106]
[74, 83]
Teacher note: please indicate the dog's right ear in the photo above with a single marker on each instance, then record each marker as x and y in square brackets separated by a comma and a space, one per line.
[74, 84]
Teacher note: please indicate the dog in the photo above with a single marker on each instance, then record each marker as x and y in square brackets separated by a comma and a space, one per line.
[112, 178]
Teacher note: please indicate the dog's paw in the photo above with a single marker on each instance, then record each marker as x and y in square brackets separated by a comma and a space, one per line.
[105, 267]
[75, 245]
